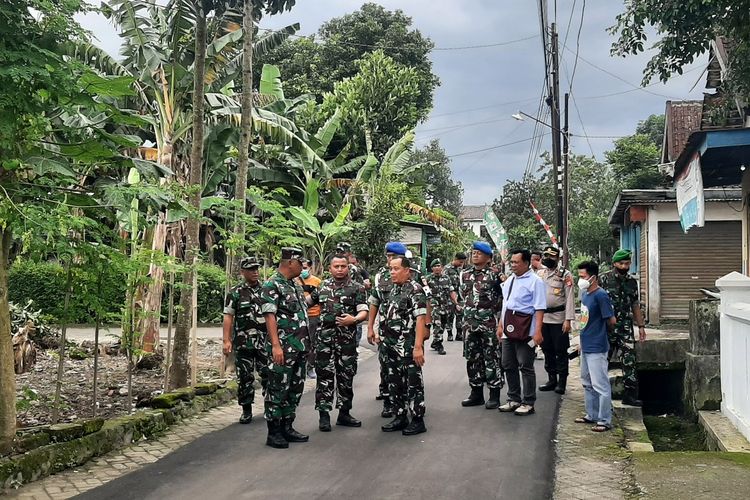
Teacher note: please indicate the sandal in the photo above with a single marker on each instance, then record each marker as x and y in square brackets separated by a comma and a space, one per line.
[584, 420]
[600, 428]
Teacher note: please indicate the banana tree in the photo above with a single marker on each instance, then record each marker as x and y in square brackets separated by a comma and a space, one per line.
[318, 238]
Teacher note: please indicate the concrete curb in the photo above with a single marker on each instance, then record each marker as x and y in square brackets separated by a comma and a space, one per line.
[114, 434]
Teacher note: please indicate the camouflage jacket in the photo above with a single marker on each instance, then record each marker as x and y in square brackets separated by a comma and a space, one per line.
[380, 290]
[355, 273]
[454, 273]
[286, 300]
[481, 297]
[338, 298]
[249, 324]
[623, 291]
[406, 302]
[441, 287]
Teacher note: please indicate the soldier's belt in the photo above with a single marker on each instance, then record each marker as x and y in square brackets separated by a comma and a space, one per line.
[554, 309]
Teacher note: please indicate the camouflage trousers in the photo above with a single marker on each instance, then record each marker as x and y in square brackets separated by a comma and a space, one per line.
[335, 361]
[440, 326]
[286, 381]
[383, 363]
[247, 361]
[483, 357]
[622, 350]
[458, 317]
[405, 383]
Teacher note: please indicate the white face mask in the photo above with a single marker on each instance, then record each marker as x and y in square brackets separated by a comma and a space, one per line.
[583, 284]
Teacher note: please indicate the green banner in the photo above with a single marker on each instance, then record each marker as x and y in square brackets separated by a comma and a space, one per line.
[496, 232]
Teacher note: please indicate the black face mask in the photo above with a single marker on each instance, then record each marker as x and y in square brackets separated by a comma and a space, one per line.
[622, 271]
[549, 263]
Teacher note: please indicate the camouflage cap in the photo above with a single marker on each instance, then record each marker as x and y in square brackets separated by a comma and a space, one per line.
[344, 247]
[250, 263]
[436, 262]
[289, 253]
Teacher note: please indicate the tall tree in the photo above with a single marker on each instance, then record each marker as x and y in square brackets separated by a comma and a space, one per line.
[251, 12]
[635, 160]
[180, 367]
[686, 30]
[311, 67]
[653, 127]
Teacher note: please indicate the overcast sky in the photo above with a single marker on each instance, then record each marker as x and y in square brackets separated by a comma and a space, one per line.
[469, 112]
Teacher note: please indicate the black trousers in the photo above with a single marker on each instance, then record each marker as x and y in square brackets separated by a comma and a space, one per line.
[555, 348]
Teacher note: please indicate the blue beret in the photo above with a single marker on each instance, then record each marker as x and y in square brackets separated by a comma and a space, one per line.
[395, 247]
[483, 247]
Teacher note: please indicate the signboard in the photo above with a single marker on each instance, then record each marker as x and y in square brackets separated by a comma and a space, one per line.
[690, 200]
[496, 231]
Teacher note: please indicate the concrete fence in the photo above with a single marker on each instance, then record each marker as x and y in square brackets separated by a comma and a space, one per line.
[735, 349]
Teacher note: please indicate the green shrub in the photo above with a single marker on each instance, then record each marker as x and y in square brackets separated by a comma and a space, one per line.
[44, 283]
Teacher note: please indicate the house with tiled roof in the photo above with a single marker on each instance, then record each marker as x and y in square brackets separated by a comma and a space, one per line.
[472, 217]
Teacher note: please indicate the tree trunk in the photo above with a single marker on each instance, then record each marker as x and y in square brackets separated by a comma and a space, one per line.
[61, 353]
[7, 374]
[180, 366]
[246, 130]
[148, 296]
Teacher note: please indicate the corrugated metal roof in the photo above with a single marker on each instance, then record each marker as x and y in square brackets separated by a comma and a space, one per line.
[473, 212]
[630, 197]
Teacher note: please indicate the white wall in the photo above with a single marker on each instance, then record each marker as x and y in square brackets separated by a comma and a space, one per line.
[735, 350]
[667, 212]
[475, 226]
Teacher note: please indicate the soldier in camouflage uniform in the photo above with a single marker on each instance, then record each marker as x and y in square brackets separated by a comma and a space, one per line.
[343, 305]
[245, 335]
[285, 310]
[454, 270]
[482, 300]
[377, 300]
[443, 301]
[402, 336]
[623, 290]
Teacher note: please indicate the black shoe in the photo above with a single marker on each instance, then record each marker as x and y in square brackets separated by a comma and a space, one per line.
[381, 397]
[550, 385]
[290, 434]
[397, 424]
[476, 397]
[347, 420]
[459, 337]
[416, 426]
[434, 346]
[441, 351]
[561, 383]
[247, 414]
[631, 398]
[324, 422]
[494, 400]
[450, 338]
[275, 438]
[387, 411]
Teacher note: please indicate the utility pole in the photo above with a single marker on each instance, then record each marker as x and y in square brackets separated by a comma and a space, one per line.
[554, 102]
[565, 189]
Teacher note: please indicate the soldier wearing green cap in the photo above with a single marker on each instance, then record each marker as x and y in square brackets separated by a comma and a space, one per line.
[623, 290]
[443, 301]
[285, 310]
[245, 335]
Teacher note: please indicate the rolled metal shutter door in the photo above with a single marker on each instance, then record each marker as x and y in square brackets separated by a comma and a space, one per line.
[689, 262]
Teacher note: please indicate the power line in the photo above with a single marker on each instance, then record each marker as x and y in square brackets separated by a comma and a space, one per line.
[465, 153]
[450, 127]
[406, 47]
[578, 49]
[484, 107]
[602, 96]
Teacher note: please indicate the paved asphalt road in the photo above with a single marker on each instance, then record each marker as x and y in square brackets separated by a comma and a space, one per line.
[469, 453]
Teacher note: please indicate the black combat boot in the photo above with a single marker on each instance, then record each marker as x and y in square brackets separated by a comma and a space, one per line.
[397, 424]
[562, 380]
[290, 434]
[631, 397]
[346, 419]
[494, 400]
[247, 414]
[275, 438]
[476, 397]
[387, 411]
[459, 336]
[450, 337]
[550, 385]
[441, 349]
[381, 397]
[324, 423]
[416, 426]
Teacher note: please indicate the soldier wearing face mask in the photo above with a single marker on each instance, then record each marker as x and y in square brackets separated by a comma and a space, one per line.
[557, 317]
